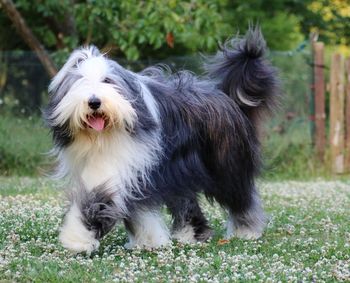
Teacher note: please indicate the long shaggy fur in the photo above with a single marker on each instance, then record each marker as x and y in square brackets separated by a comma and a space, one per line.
[156, 138]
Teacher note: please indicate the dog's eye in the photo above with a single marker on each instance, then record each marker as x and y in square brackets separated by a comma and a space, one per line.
[107, 81]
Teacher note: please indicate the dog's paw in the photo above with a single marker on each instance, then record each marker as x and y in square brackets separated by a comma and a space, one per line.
[76, 242]
[245, 233]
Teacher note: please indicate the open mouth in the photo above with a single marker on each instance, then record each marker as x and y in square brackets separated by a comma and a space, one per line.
[97, 121]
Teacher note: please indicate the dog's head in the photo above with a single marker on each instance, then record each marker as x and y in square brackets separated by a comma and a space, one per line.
[91, 94]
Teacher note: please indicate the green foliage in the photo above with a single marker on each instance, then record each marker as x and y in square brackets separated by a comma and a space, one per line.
[143, 26]
[130, 28]
[282, 31]
[139, 29]
[330, 18]
[281, 28]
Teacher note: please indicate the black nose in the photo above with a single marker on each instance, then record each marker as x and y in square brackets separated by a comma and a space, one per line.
[94, 103]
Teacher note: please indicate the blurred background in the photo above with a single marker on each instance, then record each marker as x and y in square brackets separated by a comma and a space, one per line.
[36, 38]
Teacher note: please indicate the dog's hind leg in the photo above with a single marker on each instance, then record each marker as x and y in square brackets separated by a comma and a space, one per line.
[189, 225]
[248, 223]
[146, 229]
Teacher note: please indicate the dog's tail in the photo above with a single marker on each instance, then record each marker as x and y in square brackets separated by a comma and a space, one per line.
[243, 73]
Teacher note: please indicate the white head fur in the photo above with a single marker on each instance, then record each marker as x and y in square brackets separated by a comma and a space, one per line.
[91, 73]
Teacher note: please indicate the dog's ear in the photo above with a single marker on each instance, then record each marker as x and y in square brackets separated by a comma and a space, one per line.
[76, 58]
[95, 52]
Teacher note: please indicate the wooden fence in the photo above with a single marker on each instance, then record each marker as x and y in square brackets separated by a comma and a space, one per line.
[333, 148]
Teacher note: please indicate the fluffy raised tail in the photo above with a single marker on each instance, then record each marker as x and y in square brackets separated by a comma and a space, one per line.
[242, 72]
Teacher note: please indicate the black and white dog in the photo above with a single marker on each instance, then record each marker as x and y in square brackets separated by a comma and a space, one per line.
[132, 142]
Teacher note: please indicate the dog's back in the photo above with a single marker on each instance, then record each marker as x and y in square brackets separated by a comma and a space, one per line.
[210, 135]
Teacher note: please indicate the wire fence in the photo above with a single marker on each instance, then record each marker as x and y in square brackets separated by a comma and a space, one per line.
[23, 83]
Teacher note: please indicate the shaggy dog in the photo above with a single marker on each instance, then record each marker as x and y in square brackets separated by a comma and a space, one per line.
[130, 143]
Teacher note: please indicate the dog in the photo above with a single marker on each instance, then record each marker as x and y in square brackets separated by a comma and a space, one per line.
[131, 143]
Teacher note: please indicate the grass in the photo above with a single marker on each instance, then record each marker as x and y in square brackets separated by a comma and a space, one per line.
[23, 145]
[290, 155]
[307, 239]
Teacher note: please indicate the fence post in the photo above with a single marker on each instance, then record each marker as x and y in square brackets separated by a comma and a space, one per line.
[319, 87]
[313, 39]
[337, 114]
[347, 116]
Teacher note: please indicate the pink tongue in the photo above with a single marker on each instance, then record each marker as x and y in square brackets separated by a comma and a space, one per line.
[97, 123]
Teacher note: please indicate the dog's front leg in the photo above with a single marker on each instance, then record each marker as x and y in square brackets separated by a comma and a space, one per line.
[74, 234]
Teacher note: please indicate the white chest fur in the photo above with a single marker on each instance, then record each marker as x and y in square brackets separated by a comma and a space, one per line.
[116, 158]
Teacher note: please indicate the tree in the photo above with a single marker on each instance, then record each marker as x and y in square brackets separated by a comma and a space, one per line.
[331, 18]
[28, 36]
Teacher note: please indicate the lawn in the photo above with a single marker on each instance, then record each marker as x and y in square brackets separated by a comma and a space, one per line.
[307, 239]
